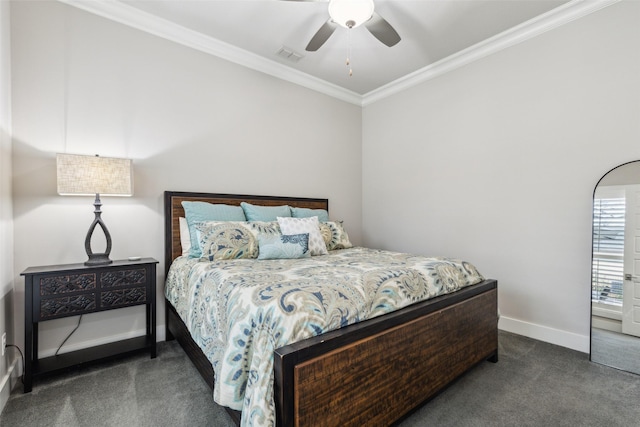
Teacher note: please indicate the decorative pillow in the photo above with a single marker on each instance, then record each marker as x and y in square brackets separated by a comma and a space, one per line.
[185, 239]
[232, 239]
[203, 211]
[322, 214]
[264, 213]
[335, 236]
[305, 225]
[283, 246]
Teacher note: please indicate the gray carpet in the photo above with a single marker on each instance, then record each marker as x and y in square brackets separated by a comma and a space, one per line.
[617, 350]
[533, 384]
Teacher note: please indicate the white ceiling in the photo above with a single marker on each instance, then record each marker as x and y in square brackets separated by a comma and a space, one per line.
[430, 29]
[437, 36]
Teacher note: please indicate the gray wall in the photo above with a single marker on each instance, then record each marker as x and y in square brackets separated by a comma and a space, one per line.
[6, 214]
[496, 163]
[190, 121]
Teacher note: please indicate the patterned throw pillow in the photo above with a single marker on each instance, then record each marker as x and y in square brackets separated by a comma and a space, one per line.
[334, 235]
[283, 246]
[305, 225]
[219, 240]
[202, 211]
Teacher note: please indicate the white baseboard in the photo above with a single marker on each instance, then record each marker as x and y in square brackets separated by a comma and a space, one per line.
[606, 324]
[545, 333]
[160, 336]
[8, 382]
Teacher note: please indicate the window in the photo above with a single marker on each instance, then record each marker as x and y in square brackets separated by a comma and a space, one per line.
[607, 274]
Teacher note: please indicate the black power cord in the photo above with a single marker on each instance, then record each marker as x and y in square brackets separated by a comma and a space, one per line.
[22, 354]
[69, 336]
[22, 357]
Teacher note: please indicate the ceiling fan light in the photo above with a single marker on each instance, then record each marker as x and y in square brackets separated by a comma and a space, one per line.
[343, 11]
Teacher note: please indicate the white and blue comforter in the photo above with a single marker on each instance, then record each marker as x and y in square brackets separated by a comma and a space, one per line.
[239, 311]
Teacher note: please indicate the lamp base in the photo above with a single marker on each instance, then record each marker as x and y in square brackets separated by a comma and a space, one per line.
[98, 259]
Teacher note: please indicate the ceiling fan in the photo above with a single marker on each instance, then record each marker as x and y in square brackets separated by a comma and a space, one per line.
[351, 14]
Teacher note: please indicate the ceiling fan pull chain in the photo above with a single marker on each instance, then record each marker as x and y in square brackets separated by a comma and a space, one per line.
[349, 51]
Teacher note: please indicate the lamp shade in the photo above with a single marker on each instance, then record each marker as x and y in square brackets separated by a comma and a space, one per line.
[91, 175]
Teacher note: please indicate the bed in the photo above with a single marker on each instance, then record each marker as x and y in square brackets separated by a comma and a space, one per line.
[374, 372]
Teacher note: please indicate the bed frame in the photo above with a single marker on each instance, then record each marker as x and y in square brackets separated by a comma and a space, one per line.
[372, 373]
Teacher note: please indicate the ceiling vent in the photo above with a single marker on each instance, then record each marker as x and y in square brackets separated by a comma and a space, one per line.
[289, 54]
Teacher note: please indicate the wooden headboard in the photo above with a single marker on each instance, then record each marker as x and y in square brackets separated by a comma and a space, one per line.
[173, 211]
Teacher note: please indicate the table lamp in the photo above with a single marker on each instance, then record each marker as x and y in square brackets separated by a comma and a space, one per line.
[81, 175]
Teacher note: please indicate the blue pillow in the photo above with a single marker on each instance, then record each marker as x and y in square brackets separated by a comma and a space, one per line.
[264, 213]
[195, 212]
[283, 247]
[322, 214]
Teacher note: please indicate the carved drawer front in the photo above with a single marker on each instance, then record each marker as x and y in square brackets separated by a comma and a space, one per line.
[123, 297]
[67, 306]
[120, 278]
[66, 283]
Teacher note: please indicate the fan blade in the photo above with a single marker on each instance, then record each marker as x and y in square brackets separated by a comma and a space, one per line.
[321, 36]
[382, 30]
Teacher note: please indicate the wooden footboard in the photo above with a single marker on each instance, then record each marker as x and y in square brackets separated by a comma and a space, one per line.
[377, 372]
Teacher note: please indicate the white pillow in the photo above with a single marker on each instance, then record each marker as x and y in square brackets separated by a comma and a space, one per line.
[185, 238]
[310, 225]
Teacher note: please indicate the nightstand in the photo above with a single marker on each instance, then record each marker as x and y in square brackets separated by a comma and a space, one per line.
[57, 291]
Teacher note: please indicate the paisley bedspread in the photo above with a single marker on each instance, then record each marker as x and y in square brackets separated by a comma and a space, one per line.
[239, 311]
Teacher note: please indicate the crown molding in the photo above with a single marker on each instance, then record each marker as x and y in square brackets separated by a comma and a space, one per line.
[135, 18]
[557, 17]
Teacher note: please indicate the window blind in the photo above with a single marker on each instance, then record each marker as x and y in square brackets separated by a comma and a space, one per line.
[608, 250]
